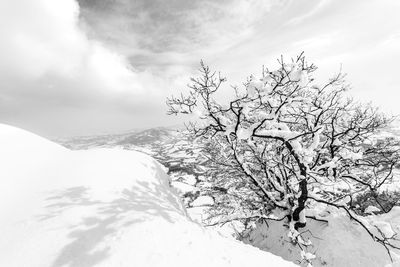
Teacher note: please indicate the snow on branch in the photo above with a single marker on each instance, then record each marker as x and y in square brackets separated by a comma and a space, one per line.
[286, 141]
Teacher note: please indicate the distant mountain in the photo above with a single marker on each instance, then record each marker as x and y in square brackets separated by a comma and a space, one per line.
[148, 137]
[135, 138]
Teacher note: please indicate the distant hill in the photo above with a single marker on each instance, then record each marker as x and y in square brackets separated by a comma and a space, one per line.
[135, 138]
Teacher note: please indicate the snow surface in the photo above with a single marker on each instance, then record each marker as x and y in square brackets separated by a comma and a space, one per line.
[341, 242]
[104, 207]
[203, 201]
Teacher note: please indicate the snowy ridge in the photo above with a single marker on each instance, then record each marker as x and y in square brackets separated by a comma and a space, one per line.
[103, 207]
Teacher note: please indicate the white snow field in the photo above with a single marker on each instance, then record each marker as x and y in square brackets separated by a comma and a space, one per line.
[342, 243]
[104, 207]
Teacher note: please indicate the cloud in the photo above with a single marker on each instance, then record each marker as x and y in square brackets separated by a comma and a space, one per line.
[181, 31]
[362, 36]
[103, 65]
[53, 77]
[61, 74]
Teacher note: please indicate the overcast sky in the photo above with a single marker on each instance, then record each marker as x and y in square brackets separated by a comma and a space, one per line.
[102, 66]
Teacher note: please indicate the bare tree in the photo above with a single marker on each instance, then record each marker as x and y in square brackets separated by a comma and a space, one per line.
[285, 144]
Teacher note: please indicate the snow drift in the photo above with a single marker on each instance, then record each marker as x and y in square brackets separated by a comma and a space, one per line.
[337, 242]
[104, 207]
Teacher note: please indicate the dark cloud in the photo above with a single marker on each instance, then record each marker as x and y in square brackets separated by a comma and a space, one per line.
[178, 26]
[164, 24]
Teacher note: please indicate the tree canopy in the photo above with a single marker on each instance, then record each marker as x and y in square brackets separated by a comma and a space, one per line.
[286, 144]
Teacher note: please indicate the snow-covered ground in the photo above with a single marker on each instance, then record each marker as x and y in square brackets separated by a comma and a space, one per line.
[101, 207]
[339, 242]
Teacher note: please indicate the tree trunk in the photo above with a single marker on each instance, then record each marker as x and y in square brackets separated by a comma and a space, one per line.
[300, 205]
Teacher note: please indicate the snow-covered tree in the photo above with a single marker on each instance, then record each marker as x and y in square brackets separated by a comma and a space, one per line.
[286, 144]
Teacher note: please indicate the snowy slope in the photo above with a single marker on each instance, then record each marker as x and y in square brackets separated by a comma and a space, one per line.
[340, 242]
[99, 208]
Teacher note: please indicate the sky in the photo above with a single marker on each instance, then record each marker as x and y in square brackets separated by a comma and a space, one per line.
[87, 67]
